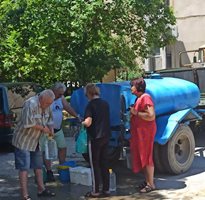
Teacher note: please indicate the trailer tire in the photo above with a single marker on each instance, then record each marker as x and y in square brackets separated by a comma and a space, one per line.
[178, 153]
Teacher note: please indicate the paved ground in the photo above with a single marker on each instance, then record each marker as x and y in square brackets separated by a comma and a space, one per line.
[187, 186]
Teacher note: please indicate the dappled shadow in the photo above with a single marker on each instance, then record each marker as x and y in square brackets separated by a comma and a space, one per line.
[8, 188]
[170, 181]
[127, 183]
[167, 185]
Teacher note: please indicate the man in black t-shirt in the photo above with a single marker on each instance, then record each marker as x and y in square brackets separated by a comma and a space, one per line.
[97, 121]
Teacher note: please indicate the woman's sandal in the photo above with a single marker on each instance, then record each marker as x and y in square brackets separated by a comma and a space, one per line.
[142, 185]
[91, 195]
[27, 198]
[147, 189]
[46, 193]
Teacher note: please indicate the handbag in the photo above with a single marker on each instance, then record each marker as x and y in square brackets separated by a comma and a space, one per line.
[81, 142]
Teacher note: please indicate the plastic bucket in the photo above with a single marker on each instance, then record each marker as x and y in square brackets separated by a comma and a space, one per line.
[63, 170]
[64, 175]
[70, 163]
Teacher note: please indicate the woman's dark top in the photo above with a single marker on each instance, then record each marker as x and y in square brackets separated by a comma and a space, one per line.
[98, 110]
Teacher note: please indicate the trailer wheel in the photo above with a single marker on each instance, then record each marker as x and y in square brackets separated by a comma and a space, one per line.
[178, 153]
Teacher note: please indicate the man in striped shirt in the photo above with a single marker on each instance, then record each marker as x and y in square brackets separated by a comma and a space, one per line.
[36, 119]
[59, 104]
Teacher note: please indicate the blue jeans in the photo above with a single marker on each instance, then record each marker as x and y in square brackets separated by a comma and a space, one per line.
[25, 160]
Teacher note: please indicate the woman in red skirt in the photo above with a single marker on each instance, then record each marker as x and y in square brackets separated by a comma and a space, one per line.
[143, 129]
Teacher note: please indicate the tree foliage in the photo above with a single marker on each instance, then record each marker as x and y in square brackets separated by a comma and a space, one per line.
[48, 40]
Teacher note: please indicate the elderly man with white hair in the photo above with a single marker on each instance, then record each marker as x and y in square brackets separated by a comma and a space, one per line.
[36, 119]
[59, 104]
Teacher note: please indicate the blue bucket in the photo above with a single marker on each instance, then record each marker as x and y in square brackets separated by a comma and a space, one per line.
[64, 174]
[70, 163]
[63, 170]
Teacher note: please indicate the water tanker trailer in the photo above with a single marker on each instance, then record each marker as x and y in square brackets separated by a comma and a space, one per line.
[176, 102]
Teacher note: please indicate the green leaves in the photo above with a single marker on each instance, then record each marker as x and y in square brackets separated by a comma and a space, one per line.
[49, 40]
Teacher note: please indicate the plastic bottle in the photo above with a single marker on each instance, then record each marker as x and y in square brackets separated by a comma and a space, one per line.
[51, 151]
[112, 181]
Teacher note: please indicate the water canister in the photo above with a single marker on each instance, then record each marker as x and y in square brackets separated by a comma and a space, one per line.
[112, 181]
[51, 150]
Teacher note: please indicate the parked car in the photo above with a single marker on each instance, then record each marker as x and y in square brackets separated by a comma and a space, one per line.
[12, 97]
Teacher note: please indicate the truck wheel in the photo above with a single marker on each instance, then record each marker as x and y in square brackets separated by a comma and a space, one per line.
[178, 153]
[158, 159]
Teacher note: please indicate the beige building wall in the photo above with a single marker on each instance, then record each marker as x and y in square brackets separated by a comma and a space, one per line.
[189, 32]
[190, 16]
[110, 76]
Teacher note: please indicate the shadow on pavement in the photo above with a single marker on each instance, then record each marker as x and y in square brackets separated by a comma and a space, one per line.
[127, 181]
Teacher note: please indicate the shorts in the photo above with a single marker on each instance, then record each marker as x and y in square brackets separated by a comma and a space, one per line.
[58, 137]
[25, 160]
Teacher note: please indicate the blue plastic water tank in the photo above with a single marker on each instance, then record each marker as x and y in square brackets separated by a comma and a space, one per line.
[172, 94]
[169, 95]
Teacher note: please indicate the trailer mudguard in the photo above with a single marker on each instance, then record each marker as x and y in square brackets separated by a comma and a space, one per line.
[168, 124]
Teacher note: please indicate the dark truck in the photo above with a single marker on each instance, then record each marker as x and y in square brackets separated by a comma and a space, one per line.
[12, 97]
[195, 75]
[193, 70]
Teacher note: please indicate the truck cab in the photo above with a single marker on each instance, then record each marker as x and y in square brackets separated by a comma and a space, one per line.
[197, 57]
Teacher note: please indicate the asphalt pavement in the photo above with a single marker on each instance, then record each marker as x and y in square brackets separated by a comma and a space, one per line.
[186, 186]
